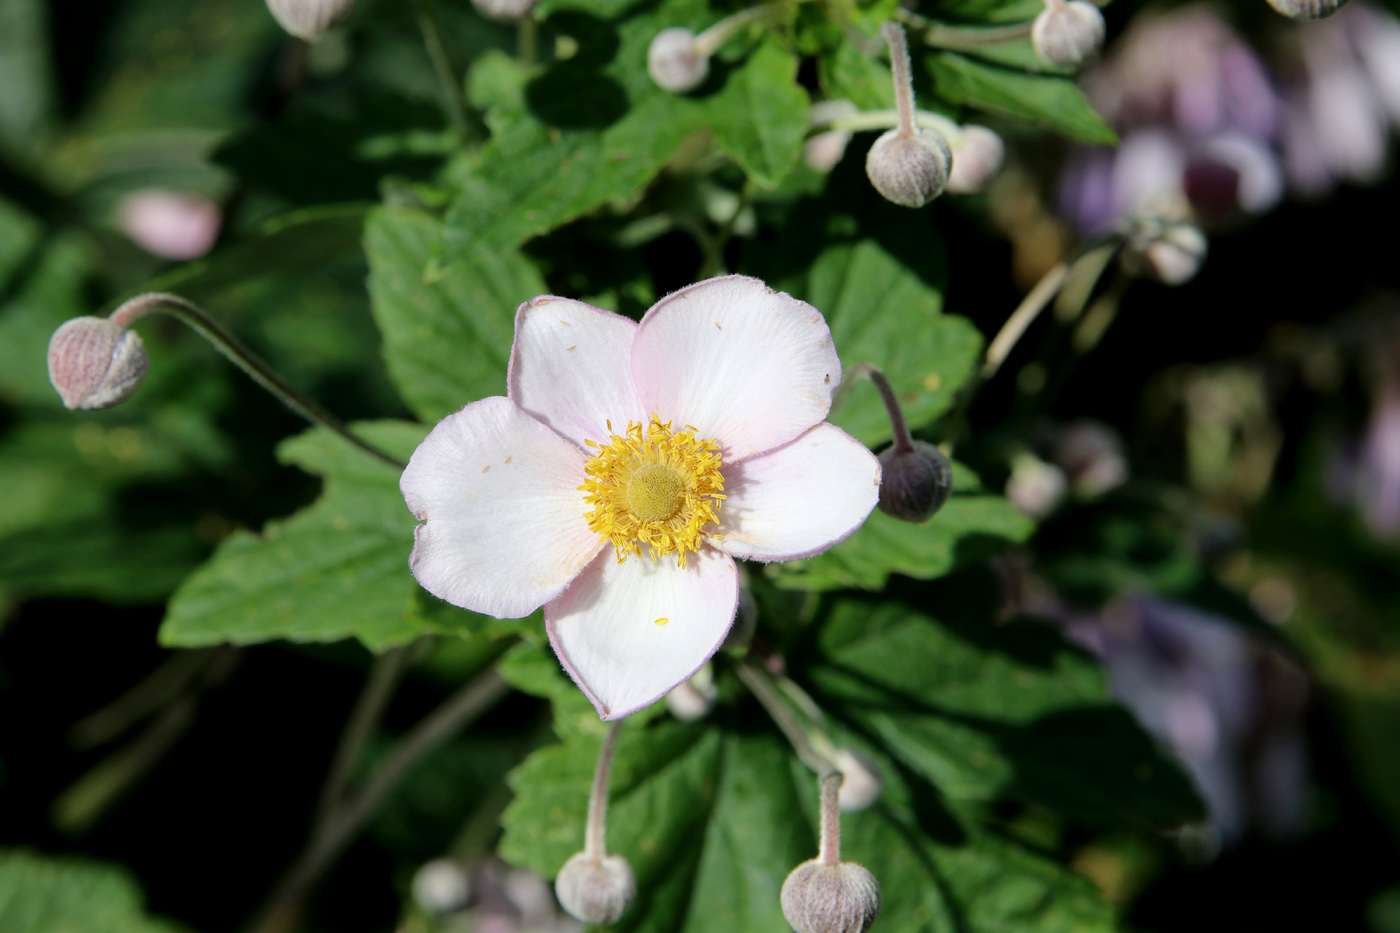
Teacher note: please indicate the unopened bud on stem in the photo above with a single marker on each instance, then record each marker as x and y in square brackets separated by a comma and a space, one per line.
[1067, 32]
[678, 60]
[915, 477]
[310, 19]
[977, 157]
[94, 363]
[593, 886]
[907, 165]
[827, 895]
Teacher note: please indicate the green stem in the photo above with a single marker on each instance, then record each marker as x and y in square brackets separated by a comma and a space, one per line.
[709, 41]
[767, 695]
[463, 119]
[596, 829]
[233, 349]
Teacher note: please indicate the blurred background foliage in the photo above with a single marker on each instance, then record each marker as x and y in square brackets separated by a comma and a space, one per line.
[1168, 573]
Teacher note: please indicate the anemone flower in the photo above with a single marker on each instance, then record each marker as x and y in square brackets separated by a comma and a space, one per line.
[627, 468]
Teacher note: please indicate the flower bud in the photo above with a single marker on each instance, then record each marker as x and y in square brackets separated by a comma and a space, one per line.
[824, 150]
[977, 158]
[505, 11]
[1067, 33]
[821, 898]
[914, 484]
[909, 170]
[596, 889]
[694, 698]
[1171, 252]
[310, 19]
[1035, 487]
[673, 61]
[1307, 9]
[860, 785]
[94, 363]
[441, 886]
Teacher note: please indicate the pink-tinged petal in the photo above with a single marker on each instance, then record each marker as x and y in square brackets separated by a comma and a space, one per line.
[748, 366]
[627, 633]
[800, 499]
[571, 368]
[497, 492]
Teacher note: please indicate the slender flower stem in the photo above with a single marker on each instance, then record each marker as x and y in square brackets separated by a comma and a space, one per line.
[903, 441]
[467, 124]
[596, 829]
[829, 852]
[889, 119]
[1026, 312]
[943, 36]
[526, 39]
[903, 82]
[767, 695]
[384, 675]
[231, 347]
[281, 912]
[709, 41]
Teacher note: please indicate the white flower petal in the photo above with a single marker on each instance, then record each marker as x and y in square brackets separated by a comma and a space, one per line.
[608, 631]
[800, 499]
[747, 366]
[571, 368]
[503, 529]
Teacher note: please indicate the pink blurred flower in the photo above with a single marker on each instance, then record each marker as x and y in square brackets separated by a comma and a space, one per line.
[170, 224]
[627, 536]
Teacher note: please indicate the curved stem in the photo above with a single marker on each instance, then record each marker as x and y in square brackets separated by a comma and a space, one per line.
[596, 829]
[903, 81]
[903, 441]
[231, 347]
[964, 38]
[830, 851]
[791, 727]
[384, 676]
[281, 912]
[709, 41]
[463, 119]
[888, 119]
[1026, 312]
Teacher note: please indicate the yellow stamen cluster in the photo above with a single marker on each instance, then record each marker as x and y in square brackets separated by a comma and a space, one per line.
[653, 488]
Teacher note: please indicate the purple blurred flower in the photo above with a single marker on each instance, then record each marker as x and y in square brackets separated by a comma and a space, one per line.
[1224, 701]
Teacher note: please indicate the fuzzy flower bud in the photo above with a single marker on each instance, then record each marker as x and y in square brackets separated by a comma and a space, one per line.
[596, 889]
[1067, 33]
[310, 19]
[914, 484]
[94, 363]
[909, 170]
[505, 11]
[822, 898]
[674, 62]
[1307, 9]
[1170, 252]
[977, 158]
[861, 785]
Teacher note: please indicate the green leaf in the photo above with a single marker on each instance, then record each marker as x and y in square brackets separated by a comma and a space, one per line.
[338, 569]
[1049, 101]
[595, 130]
[41, 894]
[971, 526]
[846, 74]
[980, 710]
[447, 339]
[334, 570]
[881, 311]
[760, 118]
